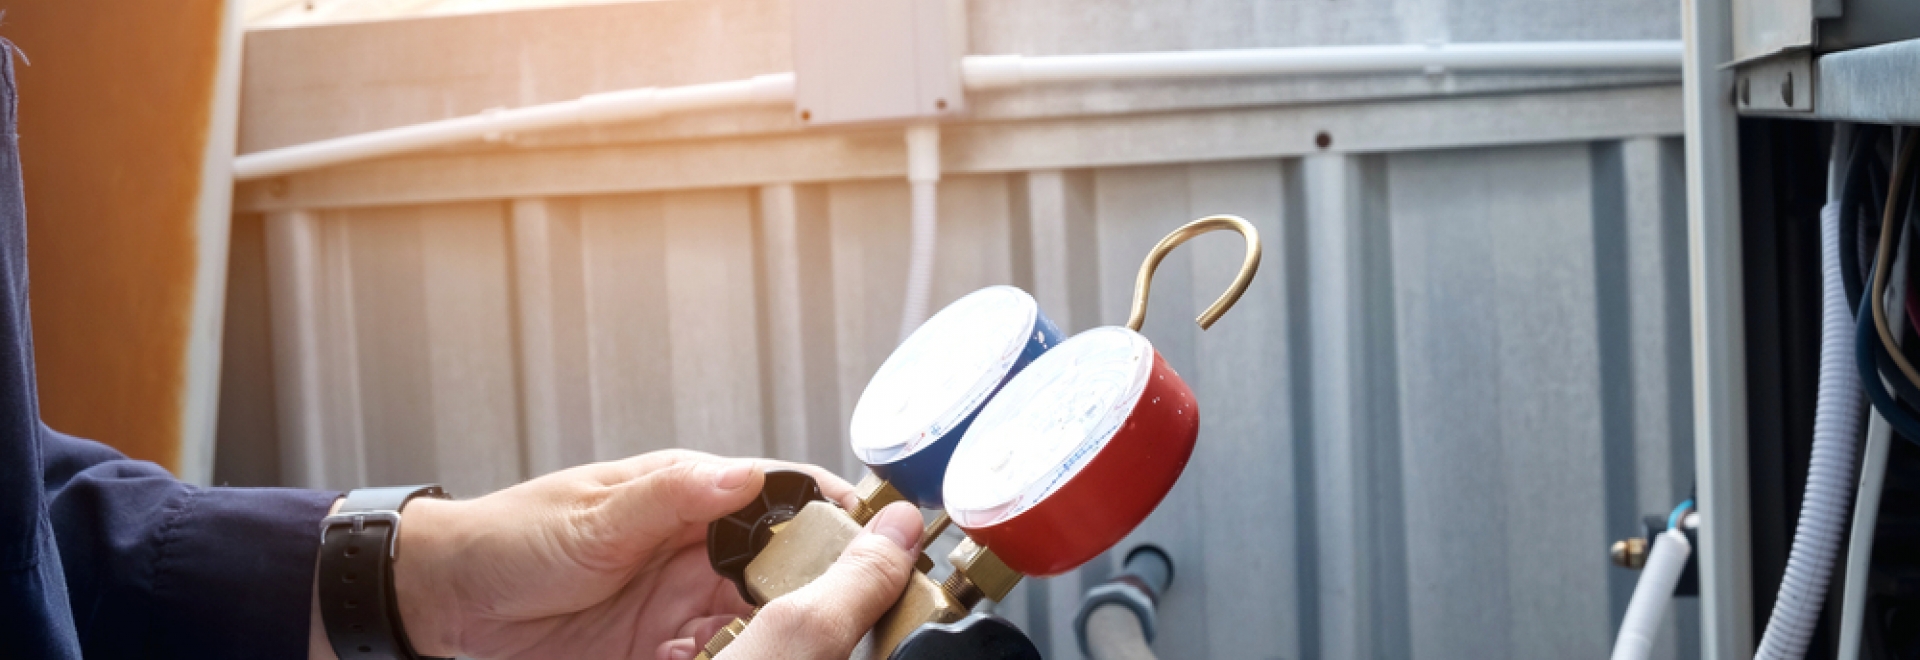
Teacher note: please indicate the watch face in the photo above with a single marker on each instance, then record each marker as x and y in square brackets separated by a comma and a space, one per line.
[1046, 424]
[942, 373]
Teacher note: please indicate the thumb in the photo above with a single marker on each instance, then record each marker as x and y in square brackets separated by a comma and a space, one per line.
[668, 502]
[827, 618]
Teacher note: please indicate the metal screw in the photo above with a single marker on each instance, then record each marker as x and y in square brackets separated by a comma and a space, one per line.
[1322, 140]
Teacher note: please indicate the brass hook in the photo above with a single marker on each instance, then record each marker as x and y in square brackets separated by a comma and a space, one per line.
[1248, 266]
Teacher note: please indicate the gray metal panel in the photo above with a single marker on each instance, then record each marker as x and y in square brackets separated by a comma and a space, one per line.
[1868, 84]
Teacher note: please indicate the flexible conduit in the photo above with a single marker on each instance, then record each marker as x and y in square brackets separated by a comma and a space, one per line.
[1651, 595]
[1836, 430]
[923, 175]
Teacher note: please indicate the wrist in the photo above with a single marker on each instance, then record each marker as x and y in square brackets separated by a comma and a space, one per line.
[428, 540]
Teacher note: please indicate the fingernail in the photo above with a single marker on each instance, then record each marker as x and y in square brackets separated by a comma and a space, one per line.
[733, 476]
[679, 653]
[900, 524]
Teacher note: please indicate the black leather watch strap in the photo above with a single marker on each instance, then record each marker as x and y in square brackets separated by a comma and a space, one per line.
[358, 546]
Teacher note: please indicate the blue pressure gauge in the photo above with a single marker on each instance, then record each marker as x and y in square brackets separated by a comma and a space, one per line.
[924, 396]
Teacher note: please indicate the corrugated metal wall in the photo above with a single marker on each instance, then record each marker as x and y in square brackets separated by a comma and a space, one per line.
[1462, 370]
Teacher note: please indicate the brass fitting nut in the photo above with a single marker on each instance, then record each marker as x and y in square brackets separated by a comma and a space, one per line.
[875, 494]
[1629, 553]
[979, 566]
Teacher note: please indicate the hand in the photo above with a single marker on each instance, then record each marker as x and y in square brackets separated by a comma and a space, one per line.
[826, 618]
[599, 561]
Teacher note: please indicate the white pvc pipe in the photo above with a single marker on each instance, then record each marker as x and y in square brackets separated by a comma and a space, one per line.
[923, 174]
[625, 105]
[1830, 478]
[1003, 71]
[1651, 594]
[978, 72]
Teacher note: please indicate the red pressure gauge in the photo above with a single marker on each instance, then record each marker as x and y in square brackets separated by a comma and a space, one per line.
[1082, 445]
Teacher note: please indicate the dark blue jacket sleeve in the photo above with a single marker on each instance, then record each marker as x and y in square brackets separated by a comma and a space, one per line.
[159, 569]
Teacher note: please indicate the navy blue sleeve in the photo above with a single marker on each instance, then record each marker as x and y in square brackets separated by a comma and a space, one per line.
[158, 568]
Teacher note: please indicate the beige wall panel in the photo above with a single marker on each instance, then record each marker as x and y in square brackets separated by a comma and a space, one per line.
[470, 357]
[391, 343]
[712, 325]
[630, 363]
[1240, 364]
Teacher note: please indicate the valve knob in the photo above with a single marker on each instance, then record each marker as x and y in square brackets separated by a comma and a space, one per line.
[733, 541]
[972, 638]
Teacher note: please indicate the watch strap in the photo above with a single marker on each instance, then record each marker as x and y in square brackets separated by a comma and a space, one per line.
[358, 546]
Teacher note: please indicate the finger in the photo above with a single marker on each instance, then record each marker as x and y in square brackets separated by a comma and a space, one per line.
[616, 472]
[831, 485]
[677, 649]
[826, 618]
[630, 517]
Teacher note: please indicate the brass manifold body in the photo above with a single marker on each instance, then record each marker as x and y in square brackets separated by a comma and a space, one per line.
[804, 547]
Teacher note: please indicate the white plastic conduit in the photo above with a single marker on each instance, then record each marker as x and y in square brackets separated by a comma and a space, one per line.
[979, 72]
[1002, 71]
[608, 107]
[1836, 433]
[923, 174]
[1651, 594]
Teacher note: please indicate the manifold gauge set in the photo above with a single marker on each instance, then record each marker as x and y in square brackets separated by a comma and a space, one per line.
[1045, 450]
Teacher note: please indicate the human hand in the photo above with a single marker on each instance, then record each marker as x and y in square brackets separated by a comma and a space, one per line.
[608, 561]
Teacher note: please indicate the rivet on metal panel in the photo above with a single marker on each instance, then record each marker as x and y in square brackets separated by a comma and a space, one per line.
[1323, 140]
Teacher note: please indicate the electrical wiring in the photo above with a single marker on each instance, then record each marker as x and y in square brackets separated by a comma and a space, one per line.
[1673, 519]
[1865, 352]
[1856, 184]
[1884, 260]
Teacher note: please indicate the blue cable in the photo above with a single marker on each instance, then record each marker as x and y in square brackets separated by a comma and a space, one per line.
[1673, 519]
[1867, 342]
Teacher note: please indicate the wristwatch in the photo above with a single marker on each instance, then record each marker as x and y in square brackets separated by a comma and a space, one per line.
[358, 546]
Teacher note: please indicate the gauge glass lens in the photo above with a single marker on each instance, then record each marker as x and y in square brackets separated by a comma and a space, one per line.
[944, 371]
[1047, 424]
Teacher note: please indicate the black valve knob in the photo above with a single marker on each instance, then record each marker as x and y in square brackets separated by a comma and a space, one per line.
[733, 541]
[977, 637]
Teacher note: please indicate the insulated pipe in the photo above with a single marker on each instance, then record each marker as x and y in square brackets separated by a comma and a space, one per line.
[1651, 595]
[923, 174]
[1116, 619]
[982, 72]
[1830, 477]
[608, 107]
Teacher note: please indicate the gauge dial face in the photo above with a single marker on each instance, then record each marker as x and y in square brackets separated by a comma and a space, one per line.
[1046, 424]
[943, 372]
